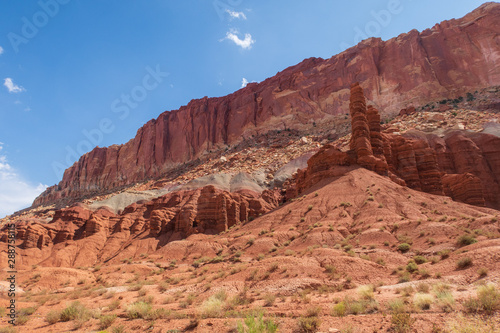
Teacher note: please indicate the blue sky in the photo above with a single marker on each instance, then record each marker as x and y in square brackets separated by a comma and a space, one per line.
[75, 73]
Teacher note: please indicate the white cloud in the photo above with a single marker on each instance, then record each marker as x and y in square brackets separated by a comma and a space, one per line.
[13, 88]
[1, 50]
[15, 192]
[243, 43]
[244, 83]
[236, 15]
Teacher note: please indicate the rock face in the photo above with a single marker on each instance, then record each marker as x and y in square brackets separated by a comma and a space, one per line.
[102, 234]
[463, 165]
[412, 68]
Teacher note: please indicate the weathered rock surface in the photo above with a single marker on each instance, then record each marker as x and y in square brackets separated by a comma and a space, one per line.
[79, 236]
[461, 164]
[410, 69]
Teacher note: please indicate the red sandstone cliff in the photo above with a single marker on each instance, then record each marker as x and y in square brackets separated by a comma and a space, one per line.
[461, 164]
[446, 61]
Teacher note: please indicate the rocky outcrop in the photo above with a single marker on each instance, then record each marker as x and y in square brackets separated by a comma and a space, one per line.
[412, 68]
[461, 164]
[101, 234]
[465, 188]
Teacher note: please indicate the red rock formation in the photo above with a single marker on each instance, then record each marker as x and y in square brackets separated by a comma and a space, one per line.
[413, 161]
[462, 152]
[407, 111]
[464, 165]
[411, 68]
[465, 188]
[102, 234]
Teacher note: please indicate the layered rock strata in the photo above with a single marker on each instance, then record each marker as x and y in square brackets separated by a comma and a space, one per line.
[463, 165]
[412, 68]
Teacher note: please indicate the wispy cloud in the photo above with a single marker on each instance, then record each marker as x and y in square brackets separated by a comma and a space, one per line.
[245, 43]
[15, 192]
[1, 50]
[244, 83]
[11, 87]
[236, 15]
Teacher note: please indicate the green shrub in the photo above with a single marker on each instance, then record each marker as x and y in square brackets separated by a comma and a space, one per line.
[420, 260]
[465, 240]
[253, 324]
[75, 311]
[404, 247]
[411, 266]
[338, 310]
[139, 310]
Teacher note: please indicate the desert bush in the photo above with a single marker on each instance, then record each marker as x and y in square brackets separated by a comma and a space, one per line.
[257, 324]
[465, 240]
[420, 259]
[482, 272]
[139, 310]
[75, 311]
[396, 305]
[444, 254]
[487, 300]
[313, 311]
[445, 301]
[106, 321]
[423, 301]
[269, 299]
[21, 319]
[423, 288]
[52, 317]
[118, 329]
[470, 324]
[366, 292]
[464, 263]
[308, 324]
[338, 310]
[404, 247]
[213, 306]
[411, 266]
[404, 277]
[402, 322]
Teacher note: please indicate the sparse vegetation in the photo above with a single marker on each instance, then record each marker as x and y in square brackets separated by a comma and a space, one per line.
[423, 301]
[404, 247]
[487, 300]
[106, 321]
[464, 263]
[465, 240]
[257, 324]
[139, 310]
[308, 324]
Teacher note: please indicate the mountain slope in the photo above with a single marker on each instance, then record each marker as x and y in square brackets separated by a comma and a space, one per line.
[446, 61]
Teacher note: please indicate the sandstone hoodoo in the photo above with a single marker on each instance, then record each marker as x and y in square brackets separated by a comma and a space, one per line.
[409, 70]
[460, 164]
